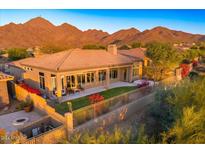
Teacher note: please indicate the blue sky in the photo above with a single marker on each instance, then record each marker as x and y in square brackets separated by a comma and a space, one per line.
[114, 20]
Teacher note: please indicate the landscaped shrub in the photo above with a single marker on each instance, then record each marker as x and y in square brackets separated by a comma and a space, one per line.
[95, 98]
[26, 105]
[2, 135]
[30, 89]
[185, 70]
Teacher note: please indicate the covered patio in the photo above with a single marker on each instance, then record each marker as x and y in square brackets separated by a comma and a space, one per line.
[86, 80]
[90, 91]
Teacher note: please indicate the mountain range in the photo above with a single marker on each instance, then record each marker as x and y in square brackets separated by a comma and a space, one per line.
[39, 31]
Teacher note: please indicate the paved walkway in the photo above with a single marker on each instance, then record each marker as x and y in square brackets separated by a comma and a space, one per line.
[90, 91]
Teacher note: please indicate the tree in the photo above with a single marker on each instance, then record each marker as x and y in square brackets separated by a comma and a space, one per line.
[177, 116]
[17, 53]
[124, 47]
[159, 117]
[191, 54]
[51, 48]
[2, 52]
[136, 45]
[93, 46]
[188, 129]
[164, 58]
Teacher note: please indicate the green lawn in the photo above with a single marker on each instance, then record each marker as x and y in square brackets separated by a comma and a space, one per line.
[84, 101]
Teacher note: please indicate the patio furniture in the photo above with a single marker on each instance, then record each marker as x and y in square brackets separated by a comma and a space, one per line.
[35, 131]
[80, 87]
[76, 90]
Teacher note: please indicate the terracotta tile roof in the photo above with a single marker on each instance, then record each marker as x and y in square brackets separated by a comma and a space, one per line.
[79, 59]
[5, 77]
[137, 53]
[17, 63]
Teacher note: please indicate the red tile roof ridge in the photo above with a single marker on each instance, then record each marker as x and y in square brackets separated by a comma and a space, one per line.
[64, 58]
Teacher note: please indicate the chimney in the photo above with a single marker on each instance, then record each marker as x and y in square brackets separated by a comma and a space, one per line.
[112, 48]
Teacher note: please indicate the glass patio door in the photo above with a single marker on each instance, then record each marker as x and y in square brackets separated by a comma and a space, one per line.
[70, 81]
[80, 79]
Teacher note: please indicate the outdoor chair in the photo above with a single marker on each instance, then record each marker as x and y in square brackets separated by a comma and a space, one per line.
[69, 91]
[63, 92]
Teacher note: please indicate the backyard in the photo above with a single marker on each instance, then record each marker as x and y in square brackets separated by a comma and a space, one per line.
[84, 101]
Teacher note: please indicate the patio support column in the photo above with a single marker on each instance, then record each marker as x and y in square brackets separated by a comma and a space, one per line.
[76, 80]
[64, 81]
[69, 122]
[131, 74]
[97, 78]
[107, 78]
[140, 70]
[59, 85]
[48, 84]
[86, 80]
[145, 62]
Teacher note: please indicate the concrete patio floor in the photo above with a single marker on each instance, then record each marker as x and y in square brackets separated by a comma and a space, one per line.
[6, 120]
[94, 90]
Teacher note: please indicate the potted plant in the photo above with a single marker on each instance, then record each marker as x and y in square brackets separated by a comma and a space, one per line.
[28, 106]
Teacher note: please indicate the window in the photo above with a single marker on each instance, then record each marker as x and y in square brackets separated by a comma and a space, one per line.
[113, 74]
[70, 81]
[102, 75]
[135, 70]
[42, 80]
[81, 79]
[90, 77]
[27, 68]
[53, 82]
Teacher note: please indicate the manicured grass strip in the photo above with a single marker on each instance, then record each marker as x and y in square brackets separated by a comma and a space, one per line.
[116, 91]
[84, 101]
[62, 108]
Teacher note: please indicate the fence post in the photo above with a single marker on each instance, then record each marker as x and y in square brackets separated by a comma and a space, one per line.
[69, 121]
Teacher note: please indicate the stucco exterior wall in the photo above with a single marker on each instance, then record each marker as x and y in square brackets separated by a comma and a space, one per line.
[39, 103]
[51, 137]
[32, 79]
[4, 97]
[31, 76]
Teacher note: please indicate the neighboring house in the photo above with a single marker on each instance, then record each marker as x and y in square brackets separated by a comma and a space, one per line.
[183, 46]
[4, 96]
[78, 68]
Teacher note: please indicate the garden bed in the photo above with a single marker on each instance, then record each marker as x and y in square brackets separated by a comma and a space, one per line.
[84, 101]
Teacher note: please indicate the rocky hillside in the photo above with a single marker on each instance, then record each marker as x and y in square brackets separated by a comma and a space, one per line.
[39, 32]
